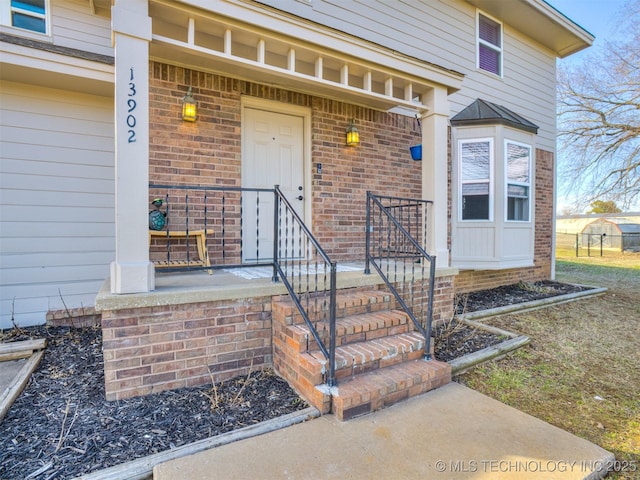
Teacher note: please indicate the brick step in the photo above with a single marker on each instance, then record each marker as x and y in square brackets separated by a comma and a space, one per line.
[377, 389]
[348, 302]
[362, 357]
[356, 328]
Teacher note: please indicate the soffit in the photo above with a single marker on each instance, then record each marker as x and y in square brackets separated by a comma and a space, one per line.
[540, 21]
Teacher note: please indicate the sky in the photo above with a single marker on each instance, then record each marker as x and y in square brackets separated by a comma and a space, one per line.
[598, 17]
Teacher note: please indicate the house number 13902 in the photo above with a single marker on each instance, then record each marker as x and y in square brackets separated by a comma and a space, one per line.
[131, 106]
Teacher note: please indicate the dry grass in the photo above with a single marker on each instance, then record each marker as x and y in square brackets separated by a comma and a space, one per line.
[582, 369]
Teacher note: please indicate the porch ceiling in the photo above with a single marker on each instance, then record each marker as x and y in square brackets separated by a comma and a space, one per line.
[206, 41]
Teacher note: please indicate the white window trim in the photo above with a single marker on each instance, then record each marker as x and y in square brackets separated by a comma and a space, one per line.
[491, 177]
[5, 20]
[479, 41]
[507, 182]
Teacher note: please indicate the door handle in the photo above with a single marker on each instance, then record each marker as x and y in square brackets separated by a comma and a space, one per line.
[299, 197]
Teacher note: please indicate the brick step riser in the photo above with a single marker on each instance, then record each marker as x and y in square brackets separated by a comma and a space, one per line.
[374, 341]
[360, 358]
[301, 339]
[285, 312]
[379, 389]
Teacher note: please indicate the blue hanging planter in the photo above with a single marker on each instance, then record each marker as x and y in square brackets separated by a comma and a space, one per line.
[416, 152]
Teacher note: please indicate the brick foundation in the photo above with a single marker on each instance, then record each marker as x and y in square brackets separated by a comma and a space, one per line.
[74, 317]
[152, 349]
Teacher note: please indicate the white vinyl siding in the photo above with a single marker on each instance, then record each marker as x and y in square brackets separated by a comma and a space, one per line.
[74, 26]
[56, 200]
[444, 33]
[66, 23]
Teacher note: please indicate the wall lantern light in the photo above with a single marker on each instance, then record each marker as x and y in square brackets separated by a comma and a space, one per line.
[189, 107]
[353, 137]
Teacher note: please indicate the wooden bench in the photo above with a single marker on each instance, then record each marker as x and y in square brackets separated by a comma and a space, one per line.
[200, 238]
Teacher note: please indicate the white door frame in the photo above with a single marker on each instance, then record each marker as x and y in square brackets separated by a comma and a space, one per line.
[287, 109]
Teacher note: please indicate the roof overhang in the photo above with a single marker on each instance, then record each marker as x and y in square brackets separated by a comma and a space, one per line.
[540, 21]
[34, 63]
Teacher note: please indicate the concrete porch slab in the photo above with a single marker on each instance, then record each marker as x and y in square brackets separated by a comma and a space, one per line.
[449, 433]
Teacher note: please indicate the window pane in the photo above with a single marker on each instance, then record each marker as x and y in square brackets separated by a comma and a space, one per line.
[489, 31]
[35, 6]
[475, 207]
[518, 209]
[28, 23]
[489, 59]
[475, 188]
[518, 163]
[518, 191]
[475, 161]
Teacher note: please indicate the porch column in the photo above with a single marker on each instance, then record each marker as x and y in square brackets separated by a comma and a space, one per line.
[435, 161]
[131, 272]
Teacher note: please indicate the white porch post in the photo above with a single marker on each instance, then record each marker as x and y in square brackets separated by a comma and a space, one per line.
[131, 272]
[434, 172]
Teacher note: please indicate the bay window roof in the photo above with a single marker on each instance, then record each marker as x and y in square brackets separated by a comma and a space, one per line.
[482, 112]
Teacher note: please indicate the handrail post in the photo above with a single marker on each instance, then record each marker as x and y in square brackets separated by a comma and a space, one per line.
[367, 268]
[276, 238]
[432, 281]
[331, 381]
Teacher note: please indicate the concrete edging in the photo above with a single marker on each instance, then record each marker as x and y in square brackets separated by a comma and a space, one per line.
[142, 468]
[534, 304]
[515, 341]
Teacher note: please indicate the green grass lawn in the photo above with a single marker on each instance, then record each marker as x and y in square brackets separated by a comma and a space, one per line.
[581, 371]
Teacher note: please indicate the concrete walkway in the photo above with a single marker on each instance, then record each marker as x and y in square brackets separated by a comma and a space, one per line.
[449, 433]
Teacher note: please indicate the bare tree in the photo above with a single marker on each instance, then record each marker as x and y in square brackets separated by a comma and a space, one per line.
[599, 118]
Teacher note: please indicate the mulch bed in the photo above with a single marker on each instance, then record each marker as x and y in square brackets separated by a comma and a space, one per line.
[61, 427]
[455, 339]
[513, 294]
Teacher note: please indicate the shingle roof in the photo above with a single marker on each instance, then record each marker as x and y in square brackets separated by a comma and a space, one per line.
[481, 112]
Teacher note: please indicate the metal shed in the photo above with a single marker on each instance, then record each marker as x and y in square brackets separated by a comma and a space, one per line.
[612, 233]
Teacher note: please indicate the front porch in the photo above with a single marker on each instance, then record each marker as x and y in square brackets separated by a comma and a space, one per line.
[196, 328]
[261, 123]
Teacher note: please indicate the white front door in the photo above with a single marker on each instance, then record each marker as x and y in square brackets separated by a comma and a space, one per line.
[272, 154]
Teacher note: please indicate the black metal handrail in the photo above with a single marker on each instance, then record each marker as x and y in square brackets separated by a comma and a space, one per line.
[225, 215]
[303, 266]
[223, 210]
[394, 228]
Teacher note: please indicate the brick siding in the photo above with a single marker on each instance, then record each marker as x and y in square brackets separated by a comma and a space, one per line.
[151, 349]
[208, 151]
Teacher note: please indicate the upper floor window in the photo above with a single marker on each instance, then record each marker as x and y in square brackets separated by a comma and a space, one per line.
[476, 165]
[489, 44]
[27, 14]
[518, 180]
